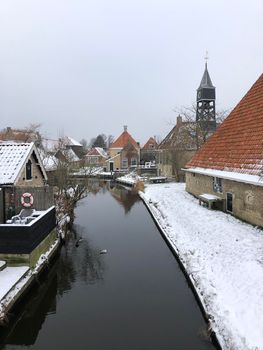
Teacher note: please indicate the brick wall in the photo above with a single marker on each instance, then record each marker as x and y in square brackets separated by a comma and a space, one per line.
[37, 178]
[247, 199]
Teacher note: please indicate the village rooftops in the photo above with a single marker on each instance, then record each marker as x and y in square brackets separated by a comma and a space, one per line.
[69, 141]
[150, 144]
[13, 157]
[236, 146]
[51, 145]
[124, 139]
[97, 151]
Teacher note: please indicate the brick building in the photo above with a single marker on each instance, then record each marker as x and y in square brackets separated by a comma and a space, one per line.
[230, 163]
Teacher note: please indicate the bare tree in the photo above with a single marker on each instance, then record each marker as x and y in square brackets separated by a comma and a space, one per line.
[84, 143]
[110, 140]
[28, 134]
[196, 131]
[185, 138]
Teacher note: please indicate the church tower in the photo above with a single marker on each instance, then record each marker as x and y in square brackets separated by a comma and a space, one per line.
[205, 103]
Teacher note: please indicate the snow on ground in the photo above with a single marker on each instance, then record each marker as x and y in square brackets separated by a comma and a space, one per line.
[9, 277]
[130, 179]
[224, 258]
[88, 171]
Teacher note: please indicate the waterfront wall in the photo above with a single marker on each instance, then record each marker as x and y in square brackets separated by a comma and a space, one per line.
[247, 199]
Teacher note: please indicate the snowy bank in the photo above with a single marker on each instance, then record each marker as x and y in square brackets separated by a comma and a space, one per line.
[129, 179]
[14, 281]
[224, 259]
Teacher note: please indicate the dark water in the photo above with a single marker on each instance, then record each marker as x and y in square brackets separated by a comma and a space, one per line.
[135, 297]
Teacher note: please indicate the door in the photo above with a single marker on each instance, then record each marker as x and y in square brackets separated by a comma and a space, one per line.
[111, 166]
[229, 202]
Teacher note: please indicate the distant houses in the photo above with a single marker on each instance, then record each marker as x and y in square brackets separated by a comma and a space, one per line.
[124, 153]
[229, 166]
[149, 152]
[176, 149]
[95, 157]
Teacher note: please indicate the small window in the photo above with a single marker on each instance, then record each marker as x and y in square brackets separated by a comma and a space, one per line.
[133, 162]
[217, 184]
[29, 170]
[125, 163]
[229, 202]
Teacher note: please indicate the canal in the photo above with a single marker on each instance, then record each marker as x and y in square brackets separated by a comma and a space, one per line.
[134, 297]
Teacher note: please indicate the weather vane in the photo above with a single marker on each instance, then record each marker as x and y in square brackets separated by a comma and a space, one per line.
[206, 56]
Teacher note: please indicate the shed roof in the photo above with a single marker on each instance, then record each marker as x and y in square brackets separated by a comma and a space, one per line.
[13, 157]
[237, 145]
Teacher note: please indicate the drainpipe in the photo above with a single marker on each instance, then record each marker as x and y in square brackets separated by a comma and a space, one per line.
[4, 214]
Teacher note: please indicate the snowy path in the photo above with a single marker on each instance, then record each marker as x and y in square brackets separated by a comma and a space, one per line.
[9, 277]
[224, 257]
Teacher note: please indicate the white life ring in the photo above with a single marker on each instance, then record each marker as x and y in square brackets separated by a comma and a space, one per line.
[31, 200]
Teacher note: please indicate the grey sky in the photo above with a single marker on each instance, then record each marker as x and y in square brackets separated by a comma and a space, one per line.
[86, 67]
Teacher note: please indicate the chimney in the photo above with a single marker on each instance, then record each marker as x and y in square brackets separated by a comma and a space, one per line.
[125, 127]
[179, 120]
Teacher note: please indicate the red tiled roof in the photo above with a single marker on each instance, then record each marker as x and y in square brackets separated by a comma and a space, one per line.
[123, 140]
[151, 141]
[237, 145]
[96, 151]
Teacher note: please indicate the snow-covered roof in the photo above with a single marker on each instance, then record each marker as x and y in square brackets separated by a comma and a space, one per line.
[53, 145]
[69, 141]
[50, 145]
[96, 151]
[13, 157]
[229, 175]
[70, 155]
[50, 162]
[101, 152]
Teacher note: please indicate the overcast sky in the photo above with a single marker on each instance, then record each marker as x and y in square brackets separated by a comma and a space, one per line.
[83, 67]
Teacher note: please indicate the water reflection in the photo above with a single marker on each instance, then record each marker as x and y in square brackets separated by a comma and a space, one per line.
[133, 298]
[31, 314]
[125, 196]
[75, 264]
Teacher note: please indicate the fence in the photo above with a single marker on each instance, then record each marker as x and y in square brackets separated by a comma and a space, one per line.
[23, 239]
[43, 199]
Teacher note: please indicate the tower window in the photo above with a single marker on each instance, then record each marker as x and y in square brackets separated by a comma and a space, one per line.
[29, 170]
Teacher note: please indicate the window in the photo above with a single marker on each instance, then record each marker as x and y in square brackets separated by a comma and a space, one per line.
[29, 170]
[125, 163]
[229, 202]
[133, 162]
[217, 184]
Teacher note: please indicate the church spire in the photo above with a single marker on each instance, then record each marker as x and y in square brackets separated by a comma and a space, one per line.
[206, 81]
[205, 102]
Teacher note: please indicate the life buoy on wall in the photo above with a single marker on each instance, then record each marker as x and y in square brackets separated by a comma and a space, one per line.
[28, 203]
